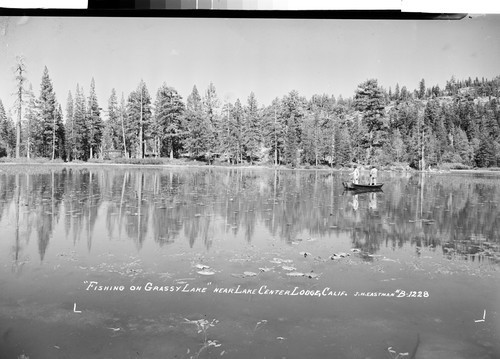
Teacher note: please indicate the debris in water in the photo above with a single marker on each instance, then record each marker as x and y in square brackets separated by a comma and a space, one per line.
[213, 343]
[305, 254]
[481, 320]
[249, 274]
[280, 261]
[259, 324]
[339, 255]
[295, 274]
[183, 280]
[205, 272]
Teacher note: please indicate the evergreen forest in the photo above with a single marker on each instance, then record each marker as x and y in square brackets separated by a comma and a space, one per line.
[457, 124]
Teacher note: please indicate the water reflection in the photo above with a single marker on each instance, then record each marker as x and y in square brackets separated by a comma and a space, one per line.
[455, 214]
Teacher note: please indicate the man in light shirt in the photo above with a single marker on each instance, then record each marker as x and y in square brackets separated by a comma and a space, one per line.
[355, 175]
[373, 175]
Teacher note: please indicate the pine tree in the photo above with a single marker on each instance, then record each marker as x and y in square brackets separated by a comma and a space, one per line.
[49, 141]
[397, 146]
[421, 89]
[485, 155]
[122, 113]
[195, 125]
[70, 128]
[139, 123]
[224, 134]
[236, 131]
[210, 106]
[466, 115]
[343, 146]
[112, 129]
[311, 138]
[434, 124]
[274, 131]
[169, 110]
[397, 93]
[251, 129]
[58, 135]
[293, 114]
[7, 134]
[31, 126]
[462, 147]
[369, 100]
[95, 124]
[82, 145]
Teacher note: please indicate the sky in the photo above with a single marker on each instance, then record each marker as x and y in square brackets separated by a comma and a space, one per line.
[270, 57]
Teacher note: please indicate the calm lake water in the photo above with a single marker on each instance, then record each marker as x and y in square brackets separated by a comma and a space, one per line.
[239, 263]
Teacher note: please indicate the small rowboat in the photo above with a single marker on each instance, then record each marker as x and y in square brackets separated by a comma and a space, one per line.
[362, 187]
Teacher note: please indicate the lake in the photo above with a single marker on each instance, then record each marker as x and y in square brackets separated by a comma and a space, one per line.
[119, 262]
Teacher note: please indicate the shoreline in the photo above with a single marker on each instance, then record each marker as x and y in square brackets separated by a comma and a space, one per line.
[246, 167]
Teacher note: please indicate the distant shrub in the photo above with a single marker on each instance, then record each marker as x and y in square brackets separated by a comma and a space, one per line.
[451, 157]
[96, 160]
[139, 161]
[31, 160]
[453, 166]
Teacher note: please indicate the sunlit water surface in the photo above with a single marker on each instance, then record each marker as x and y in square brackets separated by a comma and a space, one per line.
[243, 263]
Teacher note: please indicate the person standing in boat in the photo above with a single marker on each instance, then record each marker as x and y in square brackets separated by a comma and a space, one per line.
[355, 175]
[373, 175]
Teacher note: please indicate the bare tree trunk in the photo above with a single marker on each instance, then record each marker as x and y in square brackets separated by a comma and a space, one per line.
[54, 137]
[28, 144]
[141, 148]
[73, 137]
[171, 148]
[123, 133]
[275, 141]
[20, 69]
[423, 161]
[18, 131]
[91, 132]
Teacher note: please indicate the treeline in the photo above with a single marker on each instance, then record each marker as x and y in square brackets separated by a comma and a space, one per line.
[458, 124]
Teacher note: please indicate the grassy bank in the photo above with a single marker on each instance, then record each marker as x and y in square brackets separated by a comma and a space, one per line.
[166, 162]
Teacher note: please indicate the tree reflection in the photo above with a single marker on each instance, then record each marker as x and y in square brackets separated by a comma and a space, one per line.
[197, 205]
